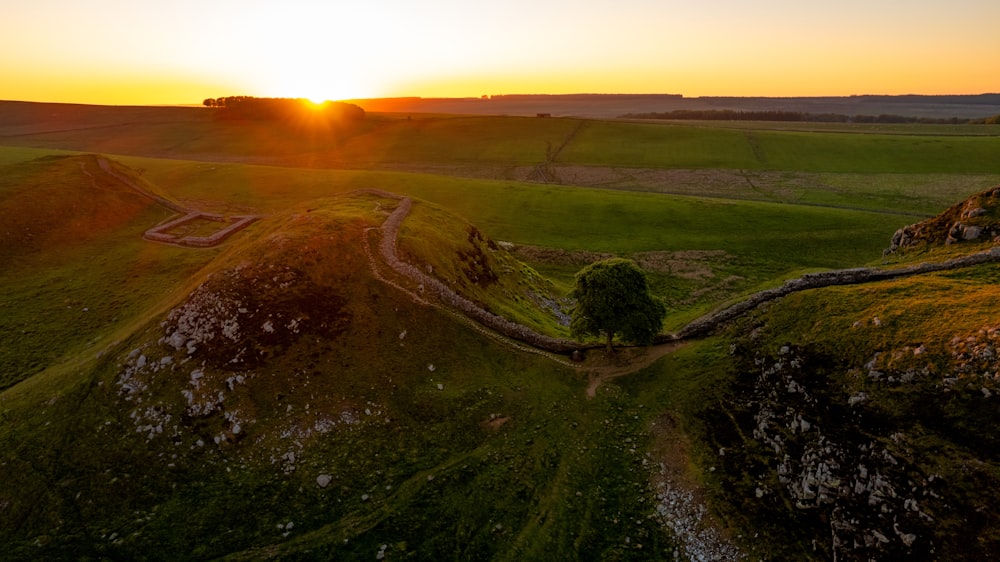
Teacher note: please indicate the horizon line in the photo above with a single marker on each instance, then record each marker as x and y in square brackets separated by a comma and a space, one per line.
[489, 97]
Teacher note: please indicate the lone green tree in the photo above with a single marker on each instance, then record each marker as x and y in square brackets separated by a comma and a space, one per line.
[612, 298]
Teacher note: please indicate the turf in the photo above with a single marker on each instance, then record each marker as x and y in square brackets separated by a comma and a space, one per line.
[441, 443]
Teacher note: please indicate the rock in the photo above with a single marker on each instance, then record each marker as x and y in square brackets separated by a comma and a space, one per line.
[973, 213]
[971, 232]
[323, 480]
[856, 399]
[177, 340]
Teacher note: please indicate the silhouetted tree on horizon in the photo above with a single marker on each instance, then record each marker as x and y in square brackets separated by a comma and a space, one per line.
[282, 109]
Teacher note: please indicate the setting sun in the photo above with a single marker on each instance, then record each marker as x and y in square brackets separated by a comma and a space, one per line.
[182, 52]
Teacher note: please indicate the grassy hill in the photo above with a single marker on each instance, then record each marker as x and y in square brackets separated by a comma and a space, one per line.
[74, 268]
[329, 410]
[277, 398]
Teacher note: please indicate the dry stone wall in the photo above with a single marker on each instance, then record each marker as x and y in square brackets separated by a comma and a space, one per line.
[387, 248]
[161, 232]
[709, 323]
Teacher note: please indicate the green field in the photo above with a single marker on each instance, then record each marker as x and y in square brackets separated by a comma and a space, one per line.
[436, 441]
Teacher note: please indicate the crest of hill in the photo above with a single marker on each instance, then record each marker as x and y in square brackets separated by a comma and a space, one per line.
[295, 333]
[977, 219]
[314, 276]
[62, 201]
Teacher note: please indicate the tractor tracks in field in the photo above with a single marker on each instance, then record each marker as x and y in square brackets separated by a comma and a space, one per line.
[543, 173]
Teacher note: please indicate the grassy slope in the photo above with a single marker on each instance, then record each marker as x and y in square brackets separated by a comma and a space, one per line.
[401, 423]
[74, 266]
[687, 146]
[920, 349]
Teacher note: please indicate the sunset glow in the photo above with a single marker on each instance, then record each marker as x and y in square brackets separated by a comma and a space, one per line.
[119, 52]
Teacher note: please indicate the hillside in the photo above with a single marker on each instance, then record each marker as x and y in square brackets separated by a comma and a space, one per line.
[73, 265]
[360, 372]
[324, 402]
[860, 422]
[348, 408]
[59, 202]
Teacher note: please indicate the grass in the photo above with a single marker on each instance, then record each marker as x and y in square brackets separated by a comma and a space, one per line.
[459, 447]
[761, 241]
[699, 147]
[565, 217]
[403, 473]
[392, 140]
[874, 153]
[658, 146]
[477, 268]
[76, 268]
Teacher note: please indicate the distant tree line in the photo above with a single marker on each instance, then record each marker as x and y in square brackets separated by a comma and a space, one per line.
[733, 115]
[282, 109]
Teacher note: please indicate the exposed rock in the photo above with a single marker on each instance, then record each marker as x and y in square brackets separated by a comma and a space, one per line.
[964, 222]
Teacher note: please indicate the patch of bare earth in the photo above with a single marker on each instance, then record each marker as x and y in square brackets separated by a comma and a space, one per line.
[680, 502]
[557, 256]
[601, 368]
[495, 422]
[688, 264]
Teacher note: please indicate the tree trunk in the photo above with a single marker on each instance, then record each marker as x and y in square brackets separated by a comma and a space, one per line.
[611, 349]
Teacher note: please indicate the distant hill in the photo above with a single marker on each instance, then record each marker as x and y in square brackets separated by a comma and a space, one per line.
[615, 105]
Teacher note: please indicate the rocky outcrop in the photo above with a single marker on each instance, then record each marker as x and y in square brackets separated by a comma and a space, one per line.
[974, 219]
[818, 457]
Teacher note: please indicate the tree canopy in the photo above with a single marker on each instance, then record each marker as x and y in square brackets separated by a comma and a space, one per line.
[612, 298]
[282, 109]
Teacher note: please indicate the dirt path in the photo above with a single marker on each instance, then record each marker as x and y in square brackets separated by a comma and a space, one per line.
[626, 361]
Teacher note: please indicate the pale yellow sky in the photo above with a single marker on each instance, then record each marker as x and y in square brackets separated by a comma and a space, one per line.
[182, 51]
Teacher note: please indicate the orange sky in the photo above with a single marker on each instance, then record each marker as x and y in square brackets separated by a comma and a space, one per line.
[182, 51]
